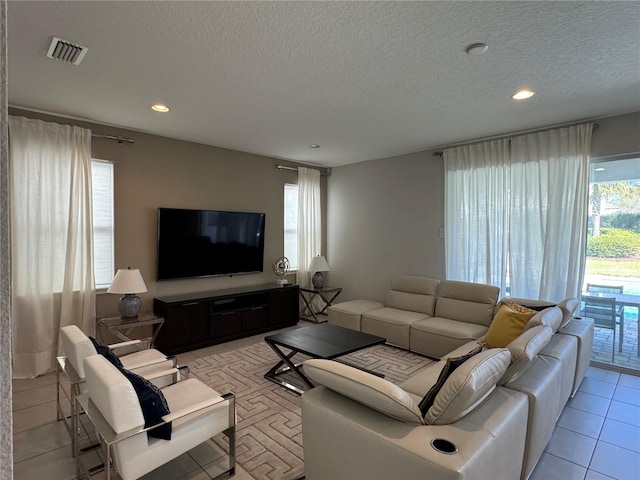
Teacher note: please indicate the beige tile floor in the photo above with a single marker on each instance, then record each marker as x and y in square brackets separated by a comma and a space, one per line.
[597, 436]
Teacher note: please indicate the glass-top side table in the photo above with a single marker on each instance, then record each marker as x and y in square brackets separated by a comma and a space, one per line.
[326, 294]
[122, 327]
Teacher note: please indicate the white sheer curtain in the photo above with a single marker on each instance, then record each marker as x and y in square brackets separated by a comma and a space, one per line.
[309, 221]
[51, 237]
[550, 192]
[476, 208]
[516, 212]
[6, 387]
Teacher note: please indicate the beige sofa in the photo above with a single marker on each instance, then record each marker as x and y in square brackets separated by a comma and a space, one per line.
[492, 417]
[425, 315]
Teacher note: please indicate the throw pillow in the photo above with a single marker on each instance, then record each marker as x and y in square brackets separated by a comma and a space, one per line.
[106, 352]
[153, 404]
[449, 367]
[507, 325]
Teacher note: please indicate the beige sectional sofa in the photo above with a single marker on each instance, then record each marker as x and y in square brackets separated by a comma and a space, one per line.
[425, 315]
[492, 418]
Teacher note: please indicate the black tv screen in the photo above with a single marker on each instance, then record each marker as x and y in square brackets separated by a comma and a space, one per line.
[202, 243]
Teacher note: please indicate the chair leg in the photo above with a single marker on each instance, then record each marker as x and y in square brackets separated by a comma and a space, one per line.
[621, 336]
[613, 347]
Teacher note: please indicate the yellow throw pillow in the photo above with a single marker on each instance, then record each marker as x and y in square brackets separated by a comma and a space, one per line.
[508, 324]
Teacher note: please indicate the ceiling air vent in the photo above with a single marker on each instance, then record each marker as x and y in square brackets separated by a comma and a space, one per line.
[66, 51]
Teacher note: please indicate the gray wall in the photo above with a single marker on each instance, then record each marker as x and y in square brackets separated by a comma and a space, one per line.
[616, 136]
[162, 172]
[384, 216]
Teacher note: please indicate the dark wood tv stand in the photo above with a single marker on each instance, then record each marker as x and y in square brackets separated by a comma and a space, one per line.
[197, 320]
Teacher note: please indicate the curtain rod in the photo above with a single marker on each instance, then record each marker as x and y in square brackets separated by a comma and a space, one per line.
[521, 132]
[118, 139]
[286, 167]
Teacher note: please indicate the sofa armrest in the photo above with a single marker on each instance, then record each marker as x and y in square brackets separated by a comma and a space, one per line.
[345, 439]
[125, 348]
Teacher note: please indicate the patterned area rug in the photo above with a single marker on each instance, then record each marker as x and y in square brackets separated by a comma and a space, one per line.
[269, 433]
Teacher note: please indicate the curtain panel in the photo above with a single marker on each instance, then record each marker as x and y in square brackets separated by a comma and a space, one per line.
[52, 239]
[516, 212]
[6, 386]
[476, 212]
[309, 221]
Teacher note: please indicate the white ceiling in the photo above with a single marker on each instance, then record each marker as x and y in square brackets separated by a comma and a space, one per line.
[362, 79]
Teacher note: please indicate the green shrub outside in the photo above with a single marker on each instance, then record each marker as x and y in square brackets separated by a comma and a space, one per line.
[614, 243]
[626, 221]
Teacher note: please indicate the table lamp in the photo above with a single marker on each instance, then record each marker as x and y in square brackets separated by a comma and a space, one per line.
[129, 282]
[318, 264]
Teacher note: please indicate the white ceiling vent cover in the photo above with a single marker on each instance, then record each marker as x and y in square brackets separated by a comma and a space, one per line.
[66, 51]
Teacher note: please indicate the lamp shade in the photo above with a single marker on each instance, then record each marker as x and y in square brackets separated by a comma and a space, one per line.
[127, 281]
[318, 264]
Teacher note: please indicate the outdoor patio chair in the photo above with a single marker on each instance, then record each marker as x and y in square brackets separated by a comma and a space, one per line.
[593, 288]
[603, 312]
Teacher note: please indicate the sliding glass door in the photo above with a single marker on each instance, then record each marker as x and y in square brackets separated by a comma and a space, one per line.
[611, 290]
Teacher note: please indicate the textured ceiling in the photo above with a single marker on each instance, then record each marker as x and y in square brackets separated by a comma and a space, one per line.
[362, 79]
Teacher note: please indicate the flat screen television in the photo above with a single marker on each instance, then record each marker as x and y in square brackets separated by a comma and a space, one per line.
[204, 243]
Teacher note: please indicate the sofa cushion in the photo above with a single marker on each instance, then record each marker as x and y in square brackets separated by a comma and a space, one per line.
[394, 316]
[416, 294]
[568, 307]
[357, 307]
[550, 317]
[437, 337]
[450, 328]
[524, 350]
[508, 323]
[349, 314]
[469, 384]
[153, 404]
[415, 284]
[449, 367]
[466, 302]
[374, 392]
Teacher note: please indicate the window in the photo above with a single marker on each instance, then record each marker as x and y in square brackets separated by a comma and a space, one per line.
[103, 254]
[291, 224]
[612, 266]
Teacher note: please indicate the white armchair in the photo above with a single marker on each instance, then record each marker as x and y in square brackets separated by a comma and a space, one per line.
[77, 346]
[197, 413]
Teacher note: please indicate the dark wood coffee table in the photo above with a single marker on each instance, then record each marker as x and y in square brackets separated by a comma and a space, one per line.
[324, 341]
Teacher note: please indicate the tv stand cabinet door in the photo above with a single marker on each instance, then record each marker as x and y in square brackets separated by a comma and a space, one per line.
[284, 309]
[225, 324]
[255, 318]
[185, 325]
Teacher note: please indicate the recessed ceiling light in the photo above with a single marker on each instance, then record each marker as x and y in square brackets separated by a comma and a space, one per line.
[158, 107]
[523, 94]
[476, 49]
[600, 169]
[313, 145]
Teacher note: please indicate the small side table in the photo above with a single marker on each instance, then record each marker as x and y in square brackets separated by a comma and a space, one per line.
[122, 327]
[309, 292]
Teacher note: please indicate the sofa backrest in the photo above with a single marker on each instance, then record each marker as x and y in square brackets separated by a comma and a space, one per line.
[568, 306]
[550, 317]
[416, 294]
[466, 302]
[524, 350]
[76, 347]
[113, 394]
[468, 386]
